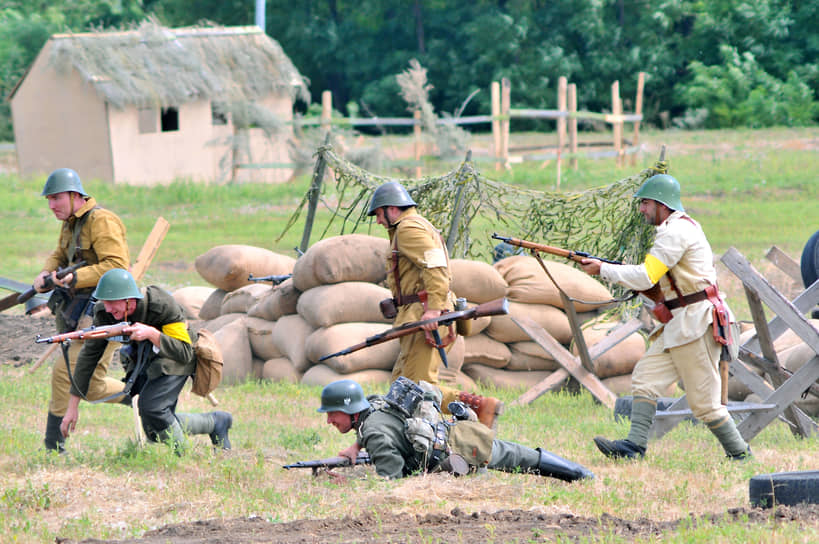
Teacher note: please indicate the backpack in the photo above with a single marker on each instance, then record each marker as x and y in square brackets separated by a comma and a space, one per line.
[209, 363]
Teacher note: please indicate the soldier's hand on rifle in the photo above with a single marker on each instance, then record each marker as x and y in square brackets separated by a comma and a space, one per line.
[351, 453]
[430, 314]
[590, 266]
[141, 331]
[40, 282]
[66, 280]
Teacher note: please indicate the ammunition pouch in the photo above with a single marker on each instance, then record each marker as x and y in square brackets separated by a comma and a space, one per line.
[404, 395]
[661, 312]
[388, 308]
[69, 308]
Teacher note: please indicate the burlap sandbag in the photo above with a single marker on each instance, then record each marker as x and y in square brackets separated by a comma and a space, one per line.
[192, 298]
[289, 336]
[257, 366]
[529, 283]
[794, 359]
[619, 385]
[618, 360]
[217, 323]
[240, 300]
[346, 302]
[212, 307]
[530, 356]
[228, 266]
[233, 341]
[280, 369]
[550, 318]
[507, 379]
[279, 301]
[350, 257]
[327, 340]
[260, 334]
[476, 281]
[486, 351]
[455, 354]
[786, 340]
[321, 375]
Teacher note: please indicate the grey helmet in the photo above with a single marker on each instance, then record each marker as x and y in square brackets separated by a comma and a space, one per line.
[391, 193]
[117, 284]
[63, 180]
[343, 396]
[662, 188]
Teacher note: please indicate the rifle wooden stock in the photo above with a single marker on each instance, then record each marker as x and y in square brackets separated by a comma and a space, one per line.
[654, 292]
[84, 334]
[330, 462]
[498, 306]
[14, 299]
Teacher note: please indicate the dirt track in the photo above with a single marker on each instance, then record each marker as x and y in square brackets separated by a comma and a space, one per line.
[505, 526]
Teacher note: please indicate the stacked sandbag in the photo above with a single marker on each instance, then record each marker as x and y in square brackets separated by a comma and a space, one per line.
[192, 298]
[228, 267]
[350, 257]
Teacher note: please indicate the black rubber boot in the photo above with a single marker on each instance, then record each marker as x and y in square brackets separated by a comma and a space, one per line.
[555, 466]
[54, 439]
[619, 449]
[222, 422]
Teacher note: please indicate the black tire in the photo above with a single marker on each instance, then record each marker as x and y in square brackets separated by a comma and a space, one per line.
[809, 264]
[784, 488]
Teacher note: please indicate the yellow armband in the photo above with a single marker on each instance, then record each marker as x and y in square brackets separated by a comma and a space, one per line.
[654, 268]
[178, 330]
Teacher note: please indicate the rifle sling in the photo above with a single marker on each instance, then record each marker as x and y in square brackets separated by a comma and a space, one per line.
[591, 302]
[142, 358]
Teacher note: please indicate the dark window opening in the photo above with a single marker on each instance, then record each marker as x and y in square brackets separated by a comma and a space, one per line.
[170, 119]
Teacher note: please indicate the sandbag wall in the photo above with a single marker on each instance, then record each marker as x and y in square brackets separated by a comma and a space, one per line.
[331, 303]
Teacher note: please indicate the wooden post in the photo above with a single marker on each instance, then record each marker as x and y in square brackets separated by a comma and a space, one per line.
[562, 84]
[573, 124]
[315, 191]
[638, 109]
[419, 144]
[506, 93]
[496, 125]
[617, 125]
[326, 110]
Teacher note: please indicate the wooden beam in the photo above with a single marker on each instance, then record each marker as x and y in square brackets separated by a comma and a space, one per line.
[784, 263]
[150, 248]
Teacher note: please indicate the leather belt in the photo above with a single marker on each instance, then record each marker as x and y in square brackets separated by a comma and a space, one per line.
[685, 300]
[408, 299]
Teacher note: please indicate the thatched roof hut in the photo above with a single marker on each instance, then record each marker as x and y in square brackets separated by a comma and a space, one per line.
[167, 79]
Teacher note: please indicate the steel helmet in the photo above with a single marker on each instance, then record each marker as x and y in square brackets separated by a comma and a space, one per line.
[117, 284]
[662, 188]
[63, 180]
[391, 193]
[343, 396]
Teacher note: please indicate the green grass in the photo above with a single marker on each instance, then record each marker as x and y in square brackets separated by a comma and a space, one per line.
[746, 194]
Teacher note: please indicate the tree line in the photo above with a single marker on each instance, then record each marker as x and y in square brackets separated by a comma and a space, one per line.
[714, 64]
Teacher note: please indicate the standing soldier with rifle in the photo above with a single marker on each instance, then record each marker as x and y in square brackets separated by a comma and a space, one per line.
[418, 276]
[696, 323]
[158, 357]
[94, 235]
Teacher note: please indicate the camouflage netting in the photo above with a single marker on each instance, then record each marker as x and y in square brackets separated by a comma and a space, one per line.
[603, 221]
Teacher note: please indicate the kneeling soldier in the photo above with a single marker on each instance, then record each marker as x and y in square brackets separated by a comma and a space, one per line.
[158, 358]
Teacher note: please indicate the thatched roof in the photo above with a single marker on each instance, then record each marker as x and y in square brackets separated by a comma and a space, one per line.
[154, 66]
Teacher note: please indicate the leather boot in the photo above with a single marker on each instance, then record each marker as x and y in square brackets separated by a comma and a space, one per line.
[222, 422]
[54, 439]
[487, 408]
[555, 466]
[619, 449]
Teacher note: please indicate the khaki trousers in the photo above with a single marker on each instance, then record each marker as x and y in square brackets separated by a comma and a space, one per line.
[100, 386]
[696, 363]
[420, 361]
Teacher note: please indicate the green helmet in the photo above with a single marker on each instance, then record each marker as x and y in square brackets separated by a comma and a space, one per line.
[117, 284]
[391, 193]
[63, 180]
[343, 396]
[662, 188]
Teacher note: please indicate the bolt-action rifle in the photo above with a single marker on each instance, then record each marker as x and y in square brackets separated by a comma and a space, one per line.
[14, 299]
[498, 306]
[272, 278]
[654, 292]
[331, 462]
[107, 331]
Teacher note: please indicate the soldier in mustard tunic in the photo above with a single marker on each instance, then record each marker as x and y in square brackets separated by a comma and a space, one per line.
[419, 278]
[97, 236]
[158, 357]
[696, 324]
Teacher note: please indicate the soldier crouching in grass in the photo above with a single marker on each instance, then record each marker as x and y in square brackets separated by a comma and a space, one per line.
[404, 434]
[158, 358]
